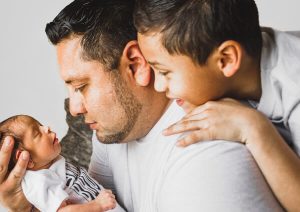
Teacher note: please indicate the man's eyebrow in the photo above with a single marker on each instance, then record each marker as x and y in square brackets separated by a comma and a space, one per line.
[75, 79]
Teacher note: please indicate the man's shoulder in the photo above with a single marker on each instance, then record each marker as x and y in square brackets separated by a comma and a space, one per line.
[214, 175]
[206, 152]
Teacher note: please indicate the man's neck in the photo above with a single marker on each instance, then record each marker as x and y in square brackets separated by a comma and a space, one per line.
[150, 115]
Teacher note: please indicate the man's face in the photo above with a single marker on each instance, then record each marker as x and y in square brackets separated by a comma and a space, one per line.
[101, 96]
[178, 75]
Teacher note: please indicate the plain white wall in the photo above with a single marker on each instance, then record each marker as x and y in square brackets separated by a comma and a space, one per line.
[29, 80]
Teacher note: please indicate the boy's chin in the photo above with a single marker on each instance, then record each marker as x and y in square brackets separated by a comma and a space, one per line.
[188, 107]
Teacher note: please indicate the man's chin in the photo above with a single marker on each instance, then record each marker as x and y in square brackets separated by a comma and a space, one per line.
[111, 138]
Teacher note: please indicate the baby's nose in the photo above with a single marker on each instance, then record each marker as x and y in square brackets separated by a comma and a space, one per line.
[47, 129]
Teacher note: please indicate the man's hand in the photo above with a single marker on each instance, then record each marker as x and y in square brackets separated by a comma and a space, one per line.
[11, 195]
[226, 119]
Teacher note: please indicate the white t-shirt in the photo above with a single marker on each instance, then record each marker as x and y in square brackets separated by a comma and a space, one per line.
[46, 189]
[153, 175]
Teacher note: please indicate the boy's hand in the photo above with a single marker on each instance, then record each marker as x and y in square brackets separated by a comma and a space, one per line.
[106, 200]
[226, 119]
[11, 195]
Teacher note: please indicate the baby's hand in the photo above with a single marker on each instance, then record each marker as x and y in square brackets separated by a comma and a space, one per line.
[106, 199]
[226, 119]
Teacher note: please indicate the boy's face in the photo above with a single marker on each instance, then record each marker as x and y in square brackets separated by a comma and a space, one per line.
[179, 76]
[42, 144]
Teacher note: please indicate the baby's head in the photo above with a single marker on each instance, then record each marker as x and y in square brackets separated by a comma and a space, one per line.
[195, 46]
[30, 135]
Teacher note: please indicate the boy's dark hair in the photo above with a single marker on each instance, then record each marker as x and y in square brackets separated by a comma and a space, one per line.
[7, 129]
[106, 27]
[196, 27]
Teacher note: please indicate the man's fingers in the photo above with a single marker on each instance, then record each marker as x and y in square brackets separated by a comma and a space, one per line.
[16, 175]
[5, 154]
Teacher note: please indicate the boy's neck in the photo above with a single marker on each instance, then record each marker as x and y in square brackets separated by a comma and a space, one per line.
[246, 83]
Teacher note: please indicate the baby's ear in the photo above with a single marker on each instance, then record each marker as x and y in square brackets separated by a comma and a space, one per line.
[30, 164]
[18, 153]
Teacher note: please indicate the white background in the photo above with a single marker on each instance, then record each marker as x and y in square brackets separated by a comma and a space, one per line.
[29, 79]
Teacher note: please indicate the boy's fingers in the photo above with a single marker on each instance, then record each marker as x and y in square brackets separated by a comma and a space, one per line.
[183, 126]
[5, 154]
[16, 175]
[192, 138]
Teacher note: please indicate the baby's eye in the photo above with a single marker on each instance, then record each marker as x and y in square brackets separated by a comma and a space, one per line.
[37, 134]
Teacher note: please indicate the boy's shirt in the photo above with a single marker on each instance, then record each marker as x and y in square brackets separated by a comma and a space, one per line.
[280, 78]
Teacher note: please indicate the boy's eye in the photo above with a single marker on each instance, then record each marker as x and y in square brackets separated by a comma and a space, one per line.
[160, 71]
[163, 73]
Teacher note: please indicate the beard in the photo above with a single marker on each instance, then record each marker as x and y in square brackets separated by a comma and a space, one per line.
[129, 103]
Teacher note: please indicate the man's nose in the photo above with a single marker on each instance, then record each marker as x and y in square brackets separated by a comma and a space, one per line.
[76, 105]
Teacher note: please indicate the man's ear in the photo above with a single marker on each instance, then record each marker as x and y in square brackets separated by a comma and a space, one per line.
[230, 55]
[30, 164]
[138, 65]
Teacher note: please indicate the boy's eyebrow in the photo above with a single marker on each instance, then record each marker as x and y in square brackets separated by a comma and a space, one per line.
[153, 63]
[156, 63]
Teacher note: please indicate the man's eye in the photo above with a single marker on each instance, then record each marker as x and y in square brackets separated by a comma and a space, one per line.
[80, 88]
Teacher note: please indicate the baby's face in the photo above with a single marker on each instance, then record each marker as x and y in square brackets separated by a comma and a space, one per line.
[42, 145]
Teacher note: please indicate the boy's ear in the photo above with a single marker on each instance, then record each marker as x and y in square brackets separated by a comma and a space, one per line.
[138, 65]
[30, 164]
[230, 53]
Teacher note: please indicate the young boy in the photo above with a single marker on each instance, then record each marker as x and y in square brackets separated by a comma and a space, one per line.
[203, 51]
[51, 184]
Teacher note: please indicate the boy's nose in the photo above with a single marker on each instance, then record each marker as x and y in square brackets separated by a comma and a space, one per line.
[159, 84]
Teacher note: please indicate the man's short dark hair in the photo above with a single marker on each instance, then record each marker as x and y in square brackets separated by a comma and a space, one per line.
[196, 27]
[106, 27]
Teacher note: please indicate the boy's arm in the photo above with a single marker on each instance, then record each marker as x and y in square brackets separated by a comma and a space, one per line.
[11, 195]
[279, 164]
[228, 119]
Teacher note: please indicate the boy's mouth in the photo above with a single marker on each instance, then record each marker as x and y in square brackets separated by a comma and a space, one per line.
[179, 102]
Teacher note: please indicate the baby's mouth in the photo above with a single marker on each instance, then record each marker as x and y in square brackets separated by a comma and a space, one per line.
[55, 140]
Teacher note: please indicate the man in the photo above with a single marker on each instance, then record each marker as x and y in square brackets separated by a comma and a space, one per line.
[110, 83]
